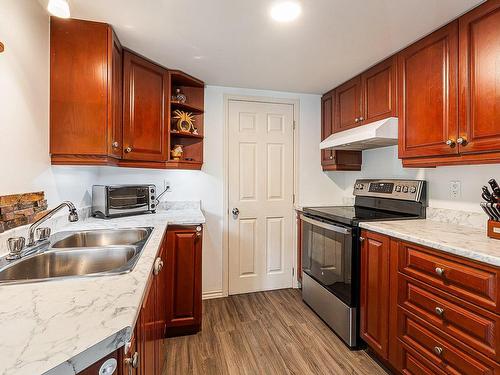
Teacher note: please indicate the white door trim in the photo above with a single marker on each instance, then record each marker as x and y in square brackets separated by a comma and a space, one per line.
[225, 230]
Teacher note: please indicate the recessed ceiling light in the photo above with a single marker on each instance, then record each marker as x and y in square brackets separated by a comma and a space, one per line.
[59, 8]
[285, 11]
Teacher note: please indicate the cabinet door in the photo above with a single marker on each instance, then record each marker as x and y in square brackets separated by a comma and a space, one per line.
[379, 91]
[347, 105]
[147, 332]
[145, 132]
[327, 113]
[161, 305]
[480, 78]
[427, 78]
[374, 304]
[184, 285]
[115, 125]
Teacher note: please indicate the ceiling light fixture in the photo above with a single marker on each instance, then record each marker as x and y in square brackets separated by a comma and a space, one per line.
[285, 11]
[59, 8]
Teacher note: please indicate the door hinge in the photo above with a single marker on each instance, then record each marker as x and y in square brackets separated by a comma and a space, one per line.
[293, 271]
[294, 124]
[293, 198]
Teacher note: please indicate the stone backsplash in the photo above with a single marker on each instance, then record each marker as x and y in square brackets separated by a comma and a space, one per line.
[21, 209]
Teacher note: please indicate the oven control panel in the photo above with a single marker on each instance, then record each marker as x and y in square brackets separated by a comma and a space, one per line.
[409, 190]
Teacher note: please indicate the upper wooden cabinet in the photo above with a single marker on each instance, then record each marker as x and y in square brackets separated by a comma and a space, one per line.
[85, 93]
[378, 86]
[428, 95]
[145, 130]
[110, 106]
[480, 79]
[335, 160]
[347, 105]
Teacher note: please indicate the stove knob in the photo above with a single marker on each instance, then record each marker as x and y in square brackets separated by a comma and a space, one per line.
[361, 186]
[405, 189]
[413, 190]
[398, 188]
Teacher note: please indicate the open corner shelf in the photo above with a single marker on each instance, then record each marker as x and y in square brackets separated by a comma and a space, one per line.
[186, 107]
[185, 134]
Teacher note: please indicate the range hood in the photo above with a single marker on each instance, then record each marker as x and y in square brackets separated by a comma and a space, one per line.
[377, 134]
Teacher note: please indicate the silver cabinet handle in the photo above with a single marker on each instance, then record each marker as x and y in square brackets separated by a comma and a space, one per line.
[158, 266]
[450, 142]
[115, 144]
[132, 362]
[361, 239]
[439, 311]
[333, 228]
[128, 149]
[438, 350]
[462, 141]
[361, 118]
[439, 271]
[356, 120]
[331, 157]
[198, 231]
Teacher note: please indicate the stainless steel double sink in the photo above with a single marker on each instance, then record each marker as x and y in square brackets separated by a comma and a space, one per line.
[87, 253]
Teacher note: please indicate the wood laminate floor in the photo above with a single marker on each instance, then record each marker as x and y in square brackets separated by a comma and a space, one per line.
[264, 333]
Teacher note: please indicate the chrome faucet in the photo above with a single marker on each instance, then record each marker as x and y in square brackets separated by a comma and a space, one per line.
[72, 217]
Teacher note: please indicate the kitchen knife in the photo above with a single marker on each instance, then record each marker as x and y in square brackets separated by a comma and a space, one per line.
[486, 209]
[487, 198]
[495, 188]
[493, 211]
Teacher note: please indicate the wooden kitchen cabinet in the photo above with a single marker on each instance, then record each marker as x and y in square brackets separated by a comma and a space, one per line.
[145, 130]
[335, 160]
[479, 79]
[428, 88]
[85, 93]
[183, 290]
[379, 91]
[348, 105]
[375, 287]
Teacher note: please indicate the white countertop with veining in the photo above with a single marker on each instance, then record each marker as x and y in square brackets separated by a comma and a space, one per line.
[61, 327]
[468, 242]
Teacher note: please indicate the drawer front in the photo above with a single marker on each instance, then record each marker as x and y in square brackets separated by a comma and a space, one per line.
[412, 363]
[480, 331]
[473, 283]
[439, 351]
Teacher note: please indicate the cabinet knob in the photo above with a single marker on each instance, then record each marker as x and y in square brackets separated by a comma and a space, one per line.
[450, 142]
[158, 266]
[198, 231]
[439, 271]
[438, 350]
[361, 239]
[133, 361]
[462, 141]
[331, 157]
[356, 120]
[361, 118]
[439, 311]
[115, 144]
[128, 149]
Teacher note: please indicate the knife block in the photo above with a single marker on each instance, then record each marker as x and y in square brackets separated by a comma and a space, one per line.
[494, 229]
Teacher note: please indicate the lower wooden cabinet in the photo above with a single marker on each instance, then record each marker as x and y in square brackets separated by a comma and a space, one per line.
[428, 312]
[374, 301]
[183, 288]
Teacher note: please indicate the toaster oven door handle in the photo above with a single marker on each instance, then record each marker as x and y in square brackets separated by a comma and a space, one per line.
[128, 206]
[327, 226]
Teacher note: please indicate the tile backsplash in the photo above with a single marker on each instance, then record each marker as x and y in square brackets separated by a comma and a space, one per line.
[21, 209]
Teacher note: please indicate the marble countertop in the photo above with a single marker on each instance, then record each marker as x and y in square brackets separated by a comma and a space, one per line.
[61, 327]
[472, 243]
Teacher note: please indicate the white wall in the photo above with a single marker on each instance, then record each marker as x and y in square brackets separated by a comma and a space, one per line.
[384, 163]
[24, 109]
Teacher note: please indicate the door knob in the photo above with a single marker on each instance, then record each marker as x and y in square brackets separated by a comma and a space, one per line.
[235, 212]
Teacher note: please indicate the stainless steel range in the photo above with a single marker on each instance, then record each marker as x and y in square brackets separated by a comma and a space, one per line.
[331, 248]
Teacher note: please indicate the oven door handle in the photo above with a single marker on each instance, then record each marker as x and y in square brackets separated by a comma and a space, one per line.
[334, 228]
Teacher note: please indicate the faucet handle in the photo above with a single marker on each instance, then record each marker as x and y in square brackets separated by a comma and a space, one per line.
[16, 246]
[43, 233]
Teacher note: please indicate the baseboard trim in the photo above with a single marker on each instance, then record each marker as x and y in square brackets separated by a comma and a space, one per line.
[211, 295]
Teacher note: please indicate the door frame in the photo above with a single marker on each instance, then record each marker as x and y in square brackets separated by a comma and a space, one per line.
[295, 103]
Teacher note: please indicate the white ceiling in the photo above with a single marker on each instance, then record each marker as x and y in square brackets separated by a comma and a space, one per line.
[236, 43]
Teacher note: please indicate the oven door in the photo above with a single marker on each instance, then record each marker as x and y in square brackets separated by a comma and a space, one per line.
[128, 199]
[327, 256]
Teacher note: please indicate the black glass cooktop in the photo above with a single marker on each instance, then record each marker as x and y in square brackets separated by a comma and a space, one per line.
[352, 215]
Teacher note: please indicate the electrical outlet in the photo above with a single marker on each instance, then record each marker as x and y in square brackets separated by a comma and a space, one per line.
[455, 189]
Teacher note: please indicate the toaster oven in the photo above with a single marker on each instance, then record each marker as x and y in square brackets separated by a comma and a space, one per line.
[123, 200]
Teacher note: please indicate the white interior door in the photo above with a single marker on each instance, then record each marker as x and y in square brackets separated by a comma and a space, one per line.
[261, 189]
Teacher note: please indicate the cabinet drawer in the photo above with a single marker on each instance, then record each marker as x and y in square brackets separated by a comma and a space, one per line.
[412, 363]
[480, 331]
[439, 351]
[473, 282]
